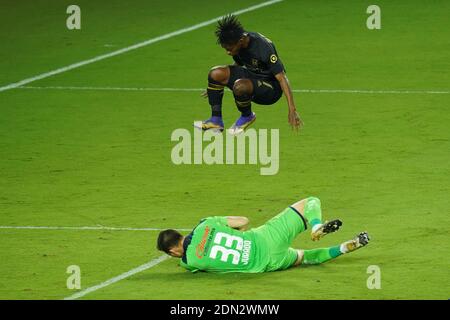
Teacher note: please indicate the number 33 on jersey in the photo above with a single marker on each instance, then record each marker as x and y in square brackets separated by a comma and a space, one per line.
[213, 246]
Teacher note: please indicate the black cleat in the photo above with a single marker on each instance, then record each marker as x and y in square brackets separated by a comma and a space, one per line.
[326, 228]
[359, 241]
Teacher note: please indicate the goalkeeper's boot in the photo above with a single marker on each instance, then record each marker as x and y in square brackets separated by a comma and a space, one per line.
[359, 241]
[320, 230]
[214, 123]
[242, 124]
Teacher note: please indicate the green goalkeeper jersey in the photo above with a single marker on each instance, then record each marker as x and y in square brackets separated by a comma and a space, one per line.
[215, 247]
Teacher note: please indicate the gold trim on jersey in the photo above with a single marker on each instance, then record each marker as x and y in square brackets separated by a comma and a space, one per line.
[218, 89]
[213, 85]
[243, 103]
[263, 83]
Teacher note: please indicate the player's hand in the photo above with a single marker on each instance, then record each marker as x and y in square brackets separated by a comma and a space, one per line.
[294, 120]
[204, 94]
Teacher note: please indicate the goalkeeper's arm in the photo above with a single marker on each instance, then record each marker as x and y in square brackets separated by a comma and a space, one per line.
[239, 223]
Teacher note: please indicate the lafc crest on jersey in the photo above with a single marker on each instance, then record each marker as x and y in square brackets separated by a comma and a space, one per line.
[273, 58]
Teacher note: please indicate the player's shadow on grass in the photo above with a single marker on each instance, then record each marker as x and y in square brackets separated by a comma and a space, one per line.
[175, 274]
[165, 277]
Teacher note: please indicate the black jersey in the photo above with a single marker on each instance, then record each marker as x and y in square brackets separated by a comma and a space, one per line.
[260, 57]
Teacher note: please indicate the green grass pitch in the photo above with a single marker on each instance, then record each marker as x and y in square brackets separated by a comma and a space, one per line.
[72, 157]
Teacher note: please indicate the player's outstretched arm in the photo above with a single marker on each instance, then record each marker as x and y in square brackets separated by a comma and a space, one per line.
[239, 223]
[293, 117]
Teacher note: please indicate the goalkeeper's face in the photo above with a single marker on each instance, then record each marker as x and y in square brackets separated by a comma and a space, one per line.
[177, 251]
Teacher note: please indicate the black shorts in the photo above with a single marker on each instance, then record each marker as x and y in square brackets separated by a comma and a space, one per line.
[264, 91]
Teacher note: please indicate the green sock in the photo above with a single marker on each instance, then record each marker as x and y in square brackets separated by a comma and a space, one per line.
[312, 210]
[317, 256]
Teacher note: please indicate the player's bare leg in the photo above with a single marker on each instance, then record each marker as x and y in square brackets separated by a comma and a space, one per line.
[310, 209]
[318, 256]
[243, 92]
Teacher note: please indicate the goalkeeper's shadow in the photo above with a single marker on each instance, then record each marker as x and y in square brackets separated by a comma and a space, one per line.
[188, 276]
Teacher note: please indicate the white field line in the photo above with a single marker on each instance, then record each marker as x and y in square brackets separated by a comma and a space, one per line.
[89, 228]
[127, 274]
[371, 91]
[109, 88]
[130, 48]
[357, 91]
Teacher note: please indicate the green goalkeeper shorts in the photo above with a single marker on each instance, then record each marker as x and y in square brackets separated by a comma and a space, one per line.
[279, 233]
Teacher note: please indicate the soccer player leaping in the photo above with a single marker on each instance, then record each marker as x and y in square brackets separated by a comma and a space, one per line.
[222, 244]
[257, 75]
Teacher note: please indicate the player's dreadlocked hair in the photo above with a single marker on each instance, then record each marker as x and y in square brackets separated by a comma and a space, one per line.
[168, 239]
[229, 30]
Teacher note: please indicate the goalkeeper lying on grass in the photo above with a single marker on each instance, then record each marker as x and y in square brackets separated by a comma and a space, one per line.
[221, 244]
